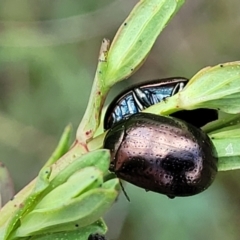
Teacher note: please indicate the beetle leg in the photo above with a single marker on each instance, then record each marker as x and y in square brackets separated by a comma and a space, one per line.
[179, 87]
[138, 101]
[141, 98]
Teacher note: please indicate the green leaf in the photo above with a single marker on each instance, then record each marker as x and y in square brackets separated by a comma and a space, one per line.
[79, 212]
[111, 184]
[99, 158]
[230, 120]
[136, 37]
[79, 182]
[226, 132]
[227, 144]
[42, 181]
[62, 147]
[70, 199]
[80, 234]
[91, 118]
[28, 204]
[213, 87]
[228, 163]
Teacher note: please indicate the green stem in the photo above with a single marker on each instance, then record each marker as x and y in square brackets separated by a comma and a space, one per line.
[91, 118]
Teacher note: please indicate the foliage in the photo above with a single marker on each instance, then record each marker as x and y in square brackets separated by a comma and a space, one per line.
[76, 191]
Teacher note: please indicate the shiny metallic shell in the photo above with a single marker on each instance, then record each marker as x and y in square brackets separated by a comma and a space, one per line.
[162, 154]
[141, 96]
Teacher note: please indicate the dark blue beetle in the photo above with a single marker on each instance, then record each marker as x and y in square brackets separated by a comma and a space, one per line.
[133, 100]
[141, 96]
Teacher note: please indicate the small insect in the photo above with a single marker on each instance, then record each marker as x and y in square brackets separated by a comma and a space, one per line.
[135, 99]
[162, 154]
[141, 96]
[96, 236]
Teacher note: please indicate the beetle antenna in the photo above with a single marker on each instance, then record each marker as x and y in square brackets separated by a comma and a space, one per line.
[124, 192]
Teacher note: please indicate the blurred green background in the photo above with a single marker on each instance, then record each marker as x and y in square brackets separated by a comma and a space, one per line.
[48, 56]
